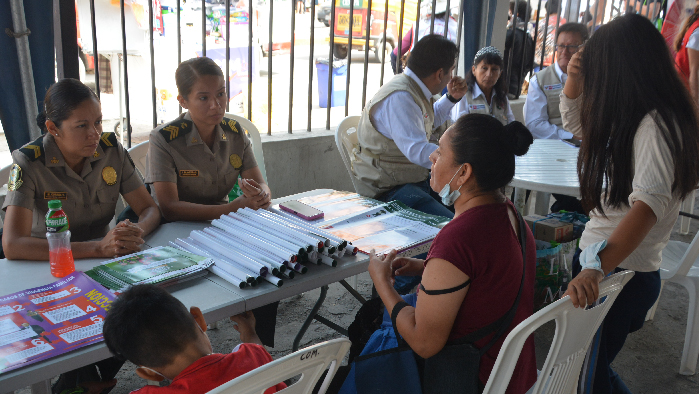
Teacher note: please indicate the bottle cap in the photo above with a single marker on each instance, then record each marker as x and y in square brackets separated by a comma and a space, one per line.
[55, 204]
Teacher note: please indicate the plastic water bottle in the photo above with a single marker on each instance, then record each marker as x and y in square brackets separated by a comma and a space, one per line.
[58, 235]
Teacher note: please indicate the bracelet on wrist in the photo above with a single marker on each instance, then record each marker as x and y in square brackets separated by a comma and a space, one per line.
[452, 99]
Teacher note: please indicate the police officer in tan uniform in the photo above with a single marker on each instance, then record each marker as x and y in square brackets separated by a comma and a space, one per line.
[194, 161]
[84, 168]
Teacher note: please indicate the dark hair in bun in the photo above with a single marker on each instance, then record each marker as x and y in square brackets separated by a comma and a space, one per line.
[189, 72]
[489, 147]
[61, 99]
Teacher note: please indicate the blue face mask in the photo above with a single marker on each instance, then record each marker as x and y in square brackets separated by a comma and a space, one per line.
[449, 197]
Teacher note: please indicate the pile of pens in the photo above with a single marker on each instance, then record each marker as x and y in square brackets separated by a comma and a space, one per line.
[250, 246]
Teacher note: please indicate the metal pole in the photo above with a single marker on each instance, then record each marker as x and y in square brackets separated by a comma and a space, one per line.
[127, 126]
[432, 17]
[203, 27]
[349, 55]
[228, 54]
[385, 25]
[250, 21]
[291, 66]
[179, 43]
[310, 64]
[458, 35]
[366, 52]
[330, 65]
[152, 62]
[94, 48]
[21, 32]
[269, 68]
[447, 18]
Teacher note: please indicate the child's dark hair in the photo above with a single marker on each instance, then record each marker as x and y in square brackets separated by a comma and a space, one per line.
[618, 94]
[432, 53]
[62, 98]
[189, 71]
[500, 87]
[148, 326]
[489, 147]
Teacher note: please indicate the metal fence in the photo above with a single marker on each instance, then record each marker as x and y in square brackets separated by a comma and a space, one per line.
[388, 16]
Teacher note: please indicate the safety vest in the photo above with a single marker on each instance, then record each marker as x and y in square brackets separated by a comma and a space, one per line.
[681, 58]
[479, 105]
[551, 85]
[377, 162]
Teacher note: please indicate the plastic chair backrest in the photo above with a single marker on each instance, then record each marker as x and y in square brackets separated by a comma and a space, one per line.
[254, 135]
[346, 142]
[310, 362]
[138, 154]
[690, 256]
[575, 328]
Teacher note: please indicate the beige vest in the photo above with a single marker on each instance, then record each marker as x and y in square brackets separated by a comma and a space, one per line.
[551, 85]
[377, 163]
[479, 105]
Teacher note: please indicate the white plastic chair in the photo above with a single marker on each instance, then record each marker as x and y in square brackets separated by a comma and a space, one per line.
[575, 328]
[687, 206]
[138, 154]
[680, 265]
[254, 135]
[310, 362]
[346, 142]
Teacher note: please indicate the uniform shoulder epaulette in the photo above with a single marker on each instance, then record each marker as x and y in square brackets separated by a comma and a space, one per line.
[34, 150]
[176, 129]
[108, 140]
[231, 125]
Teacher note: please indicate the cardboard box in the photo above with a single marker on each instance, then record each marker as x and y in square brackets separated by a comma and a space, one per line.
[548, 229]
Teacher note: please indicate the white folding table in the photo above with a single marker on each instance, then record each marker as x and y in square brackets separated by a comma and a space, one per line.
[550, 166]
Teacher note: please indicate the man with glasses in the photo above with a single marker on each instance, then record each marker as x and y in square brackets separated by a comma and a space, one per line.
[541, 113]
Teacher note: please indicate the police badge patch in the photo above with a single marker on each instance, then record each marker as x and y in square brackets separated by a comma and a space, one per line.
[15, 181]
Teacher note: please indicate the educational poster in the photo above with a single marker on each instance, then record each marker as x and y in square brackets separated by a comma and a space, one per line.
[46, 321]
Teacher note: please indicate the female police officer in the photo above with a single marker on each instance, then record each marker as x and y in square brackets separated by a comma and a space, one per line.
[194, 161]
[87, 169]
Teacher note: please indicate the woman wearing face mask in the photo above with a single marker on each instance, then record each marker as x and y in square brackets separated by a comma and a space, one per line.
[478, 251]
[487, 88]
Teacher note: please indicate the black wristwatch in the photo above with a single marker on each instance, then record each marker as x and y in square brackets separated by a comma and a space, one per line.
[452, 99]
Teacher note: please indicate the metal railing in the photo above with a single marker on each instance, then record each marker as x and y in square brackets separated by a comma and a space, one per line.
[391, 16]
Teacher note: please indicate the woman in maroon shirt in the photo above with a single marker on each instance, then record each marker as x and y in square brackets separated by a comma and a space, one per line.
[477, 257]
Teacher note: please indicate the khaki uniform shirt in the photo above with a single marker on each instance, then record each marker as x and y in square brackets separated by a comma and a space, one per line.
[39, 174]
[177, 154]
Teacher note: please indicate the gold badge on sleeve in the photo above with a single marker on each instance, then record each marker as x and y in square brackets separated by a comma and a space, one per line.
[15, 180]
[109, 175]
[235, 160]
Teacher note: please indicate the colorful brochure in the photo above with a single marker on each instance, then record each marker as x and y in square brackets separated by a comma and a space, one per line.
[47, 321]
[163, 265]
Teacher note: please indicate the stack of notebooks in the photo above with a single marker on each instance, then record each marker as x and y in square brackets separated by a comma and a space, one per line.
[162, 266]
[370, 224]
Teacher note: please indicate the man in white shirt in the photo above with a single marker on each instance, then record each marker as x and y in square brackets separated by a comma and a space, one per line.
[401, 125]
[541, 113]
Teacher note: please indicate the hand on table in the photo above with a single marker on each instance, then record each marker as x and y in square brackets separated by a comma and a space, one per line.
[123, 239]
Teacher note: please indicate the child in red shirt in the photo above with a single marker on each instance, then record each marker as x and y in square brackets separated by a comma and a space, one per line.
[155, 331]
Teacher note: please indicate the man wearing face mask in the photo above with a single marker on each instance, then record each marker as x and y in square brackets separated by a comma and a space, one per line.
[401, 125]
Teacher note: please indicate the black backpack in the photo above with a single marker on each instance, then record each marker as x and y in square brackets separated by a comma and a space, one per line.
[522, 55]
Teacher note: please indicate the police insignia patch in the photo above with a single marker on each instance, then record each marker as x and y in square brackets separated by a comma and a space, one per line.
[235, 160]
[15, 181]
[109, 175]
[54, 160]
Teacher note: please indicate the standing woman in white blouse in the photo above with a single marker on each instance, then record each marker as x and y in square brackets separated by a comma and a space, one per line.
[487, 88]
[640, 141]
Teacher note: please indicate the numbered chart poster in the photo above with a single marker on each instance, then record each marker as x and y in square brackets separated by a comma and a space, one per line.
[46, 321]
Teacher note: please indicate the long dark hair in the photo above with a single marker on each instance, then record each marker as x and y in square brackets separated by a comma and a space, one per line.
[61, 99]
[500, 87]
[490, 148]
[680, 36]
[629, 74]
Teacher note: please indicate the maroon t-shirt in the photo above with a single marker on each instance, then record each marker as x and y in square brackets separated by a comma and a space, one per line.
[482, 243]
